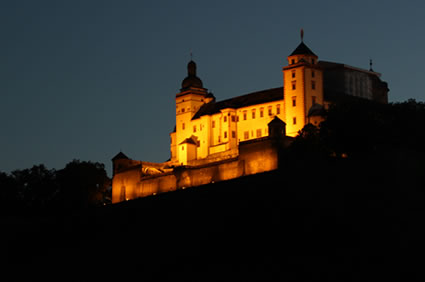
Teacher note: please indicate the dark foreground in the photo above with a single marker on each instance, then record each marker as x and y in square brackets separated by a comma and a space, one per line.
[339, 220]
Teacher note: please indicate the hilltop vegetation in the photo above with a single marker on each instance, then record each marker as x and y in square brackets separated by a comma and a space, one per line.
[348, 203]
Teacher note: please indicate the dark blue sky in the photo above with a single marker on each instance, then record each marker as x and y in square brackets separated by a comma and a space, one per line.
[86, 79]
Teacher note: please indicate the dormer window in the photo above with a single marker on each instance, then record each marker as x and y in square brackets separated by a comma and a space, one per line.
[293, 61]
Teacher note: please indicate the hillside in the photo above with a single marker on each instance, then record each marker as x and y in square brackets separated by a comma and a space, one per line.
[336, 220]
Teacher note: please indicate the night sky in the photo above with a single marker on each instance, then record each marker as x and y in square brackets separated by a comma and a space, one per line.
[86, 79]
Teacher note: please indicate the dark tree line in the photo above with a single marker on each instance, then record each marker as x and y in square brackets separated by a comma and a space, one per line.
[79, 185]
[357, 128]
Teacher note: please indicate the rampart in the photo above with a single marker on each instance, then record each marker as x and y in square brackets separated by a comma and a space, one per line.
[255, 156]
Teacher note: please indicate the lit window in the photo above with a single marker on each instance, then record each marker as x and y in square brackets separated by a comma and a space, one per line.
[258, 133]
[294, 85]
[294, 101]
[294, 120]
[278, 109]
[253, 114]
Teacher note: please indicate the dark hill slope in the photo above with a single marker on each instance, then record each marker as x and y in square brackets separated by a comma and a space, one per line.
[336, 220]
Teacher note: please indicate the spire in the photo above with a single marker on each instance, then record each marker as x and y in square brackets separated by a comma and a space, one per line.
[370, 65]
[192, 80]
[302, 35]
[191, 68]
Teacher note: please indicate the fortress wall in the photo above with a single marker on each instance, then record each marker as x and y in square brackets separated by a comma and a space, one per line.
[183, 177]
[255, 156]
[259, 155]
[125, 185]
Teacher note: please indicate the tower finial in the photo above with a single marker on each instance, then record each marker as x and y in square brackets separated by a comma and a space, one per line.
[370, 65]
[302, 35]
[191, 55]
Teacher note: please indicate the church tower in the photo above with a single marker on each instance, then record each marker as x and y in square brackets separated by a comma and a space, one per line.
[189, 100]
[303, 87]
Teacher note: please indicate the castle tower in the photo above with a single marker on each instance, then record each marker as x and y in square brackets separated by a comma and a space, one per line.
[189, 100]
[303, 87]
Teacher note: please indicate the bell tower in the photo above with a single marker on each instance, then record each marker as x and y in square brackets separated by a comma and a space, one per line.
[302, 87]
[189, 100]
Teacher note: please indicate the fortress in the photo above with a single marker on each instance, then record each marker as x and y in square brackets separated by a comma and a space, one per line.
[215, 141]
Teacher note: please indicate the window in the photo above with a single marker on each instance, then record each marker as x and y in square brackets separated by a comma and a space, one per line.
[278, 109]
[183, 126]
[258, 133]
[253, 114]
[292, 61]
[194, 128]
[312, 73]
[270, 111]
[213, 124]
[294, 120]
[312, 61]
[182, 110]
[233, 134]
[219, 139]
[225, 134]
[225, 119]
[233, 118]
[294, 101]
[261, 112]
[313, 84]
[293, 74]
[244, 115]
[246, 135]
[313, 99]
[294, 85]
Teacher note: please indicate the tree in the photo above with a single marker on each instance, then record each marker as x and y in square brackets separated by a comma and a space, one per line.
[82, 184]
[35, 187]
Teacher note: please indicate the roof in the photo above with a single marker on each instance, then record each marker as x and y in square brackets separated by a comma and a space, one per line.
[316, 110]
[120, 156]
[326, 65]
[255, 98]
[277, 121]
[188, 141]
[302, 49]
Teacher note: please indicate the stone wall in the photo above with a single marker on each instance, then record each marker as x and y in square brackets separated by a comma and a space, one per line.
[255, 156]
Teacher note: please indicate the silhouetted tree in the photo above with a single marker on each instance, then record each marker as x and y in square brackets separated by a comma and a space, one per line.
[8, 192]
[82, 184]
[35, 187]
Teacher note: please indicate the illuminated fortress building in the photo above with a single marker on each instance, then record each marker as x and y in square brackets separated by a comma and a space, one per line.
[215, 141]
